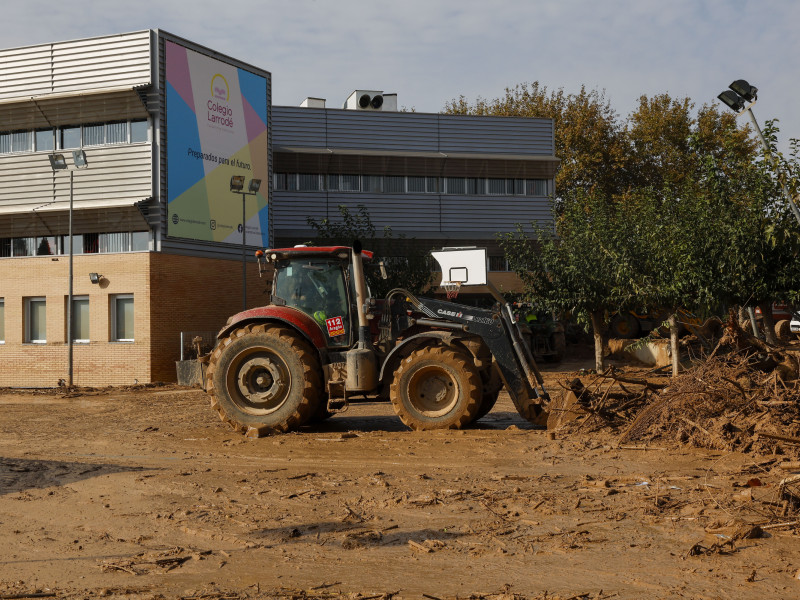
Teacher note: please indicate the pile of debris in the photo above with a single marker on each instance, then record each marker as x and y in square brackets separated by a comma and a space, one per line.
[744, 396]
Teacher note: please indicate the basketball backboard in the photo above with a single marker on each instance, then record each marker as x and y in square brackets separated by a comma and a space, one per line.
[463, 265]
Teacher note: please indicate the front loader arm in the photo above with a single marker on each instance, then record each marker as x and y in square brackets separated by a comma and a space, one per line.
[500, 333]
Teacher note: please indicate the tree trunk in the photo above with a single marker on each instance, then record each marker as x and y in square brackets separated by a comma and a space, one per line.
[769, 323]
[741, 311]
[597, 328]
[673, 342]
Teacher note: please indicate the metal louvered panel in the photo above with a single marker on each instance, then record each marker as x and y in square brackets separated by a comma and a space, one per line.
[117, 175]
[496, 135]
[490, 215]
[410, 133]
[77, 66]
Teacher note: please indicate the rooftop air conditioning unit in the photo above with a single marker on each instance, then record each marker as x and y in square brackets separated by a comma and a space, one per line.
[371, 100]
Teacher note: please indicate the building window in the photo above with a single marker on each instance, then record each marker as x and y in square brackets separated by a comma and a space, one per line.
[117, 133]
[350, 183]
[46, 246]
[476, 186]
[122, 318]
[498, 263]
[140, 241]
[45, 140]
[139, 131]
[536, 187]
[16, 141]
[392, 184]
[279, 180]
[80, 319]
[410, 184]
[94, 135]
[309, 182]
[114, 242]
[416, 185]
[24, 246]
[372, 183]
[87, 243]
[70, 137]
[74, 136]
[2, 321]
[455, 185]
[35, 320]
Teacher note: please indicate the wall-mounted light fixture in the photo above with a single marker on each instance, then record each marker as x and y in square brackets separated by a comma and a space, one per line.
[95, 277]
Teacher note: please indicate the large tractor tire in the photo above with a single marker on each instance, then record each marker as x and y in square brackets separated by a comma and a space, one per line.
[264, 375]
[436, 388]
[492, 386]
[624, 326]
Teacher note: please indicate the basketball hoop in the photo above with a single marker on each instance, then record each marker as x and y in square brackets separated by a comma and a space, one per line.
[451, 288]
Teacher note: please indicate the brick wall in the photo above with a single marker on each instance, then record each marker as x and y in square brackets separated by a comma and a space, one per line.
[101, 361]
[193, 294]
[171, 294]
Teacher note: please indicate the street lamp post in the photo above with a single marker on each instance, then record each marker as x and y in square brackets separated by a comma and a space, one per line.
[58, 163]
[740, 98]
[237, 187]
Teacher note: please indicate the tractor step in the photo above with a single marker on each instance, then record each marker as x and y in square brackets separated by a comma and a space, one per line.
[337, 397]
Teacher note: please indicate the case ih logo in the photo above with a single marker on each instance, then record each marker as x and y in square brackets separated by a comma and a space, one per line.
[449, 313]
[219, 88]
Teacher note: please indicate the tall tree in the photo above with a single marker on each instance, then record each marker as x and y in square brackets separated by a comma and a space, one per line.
[585, 267]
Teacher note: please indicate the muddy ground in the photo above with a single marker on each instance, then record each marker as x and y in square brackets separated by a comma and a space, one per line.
[143, 493]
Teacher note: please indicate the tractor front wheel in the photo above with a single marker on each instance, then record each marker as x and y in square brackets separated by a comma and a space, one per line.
[436, 388]
[264, 376]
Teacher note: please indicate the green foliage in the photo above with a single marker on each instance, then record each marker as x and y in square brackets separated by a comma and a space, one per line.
[665, 209]
[406, 266]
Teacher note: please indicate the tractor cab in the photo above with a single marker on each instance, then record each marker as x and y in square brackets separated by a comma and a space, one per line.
[318, 282]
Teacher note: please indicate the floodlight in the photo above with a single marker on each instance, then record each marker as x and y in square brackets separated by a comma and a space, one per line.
[79, 158]
[745, 90]
[58, 162]
[95, 277]
[734, 101]
[237, 183]
[255, 185]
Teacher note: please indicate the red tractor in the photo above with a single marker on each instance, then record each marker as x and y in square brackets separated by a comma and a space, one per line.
[322, 340]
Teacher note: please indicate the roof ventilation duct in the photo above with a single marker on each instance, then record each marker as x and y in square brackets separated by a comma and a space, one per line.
[371, 100]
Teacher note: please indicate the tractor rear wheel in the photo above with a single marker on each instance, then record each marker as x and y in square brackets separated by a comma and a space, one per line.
[436, 388]
[264, 376]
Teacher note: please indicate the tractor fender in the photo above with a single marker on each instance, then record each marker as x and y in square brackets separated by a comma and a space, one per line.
[296, 319]
[410, 344]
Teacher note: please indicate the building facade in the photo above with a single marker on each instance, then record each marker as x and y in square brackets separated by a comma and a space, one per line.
[443, 180]
[161, 245]
[157, 233]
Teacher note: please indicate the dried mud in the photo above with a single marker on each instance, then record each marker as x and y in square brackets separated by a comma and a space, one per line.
[142, 493]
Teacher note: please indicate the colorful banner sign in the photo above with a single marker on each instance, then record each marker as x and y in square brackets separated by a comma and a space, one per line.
[216, 128]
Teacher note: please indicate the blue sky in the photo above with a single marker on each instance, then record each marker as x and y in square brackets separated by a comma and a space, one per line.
[430, 51]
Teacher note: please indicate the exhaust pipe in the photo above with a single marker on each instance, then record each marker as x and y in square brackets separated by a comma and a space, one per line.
[362, 365]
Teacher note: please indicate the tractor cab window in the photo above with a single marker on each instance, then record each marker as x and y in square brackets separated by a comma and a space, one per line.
[316, 287]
